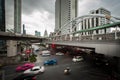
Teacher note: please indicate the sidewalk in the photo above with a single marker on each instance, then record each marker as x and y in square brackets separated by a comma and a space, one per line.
[4, 61]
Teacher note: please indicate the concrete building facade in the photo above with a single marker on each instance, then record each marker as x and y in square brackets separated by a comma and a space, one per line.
[91, 22]
[11, 48]
[45, 33]
[17, 16]
[65, 11]
[2, 15]
[3, 50]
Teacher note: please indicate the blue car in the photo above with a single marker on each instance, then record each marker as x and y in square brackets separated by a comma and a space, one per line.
[50, 62]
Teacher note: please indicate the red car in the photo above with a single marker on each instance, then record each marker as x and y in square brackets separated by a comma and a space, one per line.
[25, 67]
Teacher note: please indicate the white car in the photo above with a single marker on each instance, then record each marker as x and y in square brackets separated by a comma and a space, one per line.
[59, 53]
[77, 58]
[35, 70]
[45, 53]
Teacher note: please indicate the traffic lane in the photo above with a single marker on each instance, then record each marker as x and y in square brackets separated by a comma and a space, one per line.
[57, 70]
[61, 59]
[79, 70]
[10, 69]
[10, 73]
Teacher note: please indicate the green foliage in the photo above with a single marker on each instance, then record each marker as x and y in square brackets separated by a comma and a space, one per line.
[32, 58]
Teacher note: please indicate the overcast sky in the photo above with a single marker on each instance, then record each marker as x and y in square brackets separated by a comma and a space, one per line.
[40, 14]
[84, 6]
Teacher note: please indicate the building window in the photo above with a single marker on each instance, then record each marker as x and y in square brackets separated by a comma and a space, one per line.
[92, 22]
[97, 11]
[97, 21]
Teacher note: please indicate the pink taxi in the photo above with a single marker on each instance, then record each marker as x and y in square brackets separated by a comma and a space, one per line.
[25, 67]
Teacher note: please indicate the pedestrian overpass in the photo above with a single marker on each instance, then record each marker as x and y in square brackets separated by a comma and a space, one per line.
[107, 43]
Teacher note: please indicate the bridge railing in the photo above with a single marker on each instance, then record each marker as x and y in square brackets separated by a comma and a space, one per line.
[68, 37]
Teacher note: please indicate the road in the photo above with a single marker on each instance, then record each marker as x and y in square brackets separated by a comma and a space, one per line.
[79, 70]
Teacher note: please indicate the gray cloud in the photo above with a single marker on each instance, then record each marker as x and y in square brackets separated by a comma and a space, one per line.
[31, 6]
[112, 6]
[9, 13]
[28, 6]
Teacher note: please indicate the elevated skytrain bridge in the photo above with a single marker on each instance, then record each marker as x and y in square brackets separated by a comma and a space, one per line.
[106, 43]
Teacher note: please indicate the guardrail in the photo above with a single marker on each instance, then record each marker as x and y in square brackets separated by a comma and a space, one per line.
[68, 37]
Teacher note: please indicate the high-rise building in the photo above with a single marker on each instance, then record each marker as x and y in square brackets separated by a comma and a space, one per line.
[24, 31]
[9, 47]
[2, 15]
[101, 20]
[37, 33]
[45, 33]
[65, 11]
[17, 16]
[2, 26]
[90, 22]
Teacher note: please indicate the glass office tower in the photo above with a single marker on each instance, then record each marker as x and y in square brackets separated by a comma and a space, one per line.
[2, 27]
[17, 16]
[2, 15]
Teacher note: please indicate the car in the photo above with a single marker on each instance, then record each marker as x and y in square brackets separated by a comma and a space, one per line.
[25, 77]
[77, 58]
[35, 70]
[59, 53]
[45, 53]
[50, 62]
[25, 67]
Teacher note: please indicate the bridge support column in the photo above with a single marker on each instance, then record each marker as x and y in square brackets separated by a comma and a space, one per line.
[92, 36]
[116, 37]
[11, 48]
[71, 37]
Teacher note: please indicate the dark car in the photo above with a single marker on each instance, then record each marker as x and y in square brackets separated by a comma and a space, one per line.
[25, 77]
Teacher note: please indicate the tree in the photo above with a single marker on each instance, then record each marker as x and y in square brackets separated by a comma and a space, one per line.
[32, 58]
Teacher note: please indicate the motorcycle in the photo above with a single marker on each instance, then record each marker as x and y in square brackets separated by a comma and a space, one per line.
[67, 71]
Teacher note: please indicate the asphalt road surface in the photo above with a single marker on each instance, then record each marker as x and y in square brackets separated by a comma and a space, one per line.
[79, 70]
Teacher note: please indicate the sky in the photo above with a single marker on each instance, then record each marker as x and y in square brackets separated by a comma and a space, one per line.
[40, 14]
[84, 6]
[36, 15]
